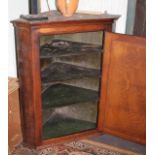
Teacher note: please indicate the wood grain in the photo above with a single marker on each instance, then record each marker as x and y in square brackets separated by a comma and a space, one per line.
[14, 122]
[123, 95]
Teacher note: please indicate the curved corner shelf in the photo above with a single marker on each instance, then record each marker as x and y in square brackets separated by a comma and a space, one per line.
[58, 48]
[57, 72]
[59, 95]
[61, 126]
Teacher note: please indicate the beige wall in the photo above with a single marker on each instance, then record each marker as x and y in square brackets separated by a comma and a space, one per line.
[16, 8]
[110, 6]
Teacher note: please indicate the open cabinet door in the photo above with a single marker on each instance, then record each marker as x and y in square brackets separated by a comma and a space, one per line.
[123, 87]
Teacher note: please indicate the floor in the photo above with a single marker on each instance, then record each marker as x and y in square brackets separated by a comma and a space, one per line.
[106, 139]
[120, 143]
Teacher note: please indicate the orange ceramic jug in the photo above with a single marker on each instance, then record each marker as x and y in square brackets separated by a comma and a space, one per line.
[67, 7]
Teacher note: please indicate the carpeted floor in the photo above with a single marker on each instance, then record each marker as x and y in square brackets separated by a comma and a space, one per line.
[83, 147]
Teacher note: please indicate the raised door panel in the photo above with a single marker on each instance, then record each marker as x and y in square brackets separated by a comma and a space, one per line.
[124, 82]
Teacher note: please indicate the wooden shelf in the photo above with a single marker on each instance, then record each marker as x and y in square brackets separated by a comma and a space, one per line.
[60, 126]
[59, 95]
[75, 111]
[59, 48]
[57, 72]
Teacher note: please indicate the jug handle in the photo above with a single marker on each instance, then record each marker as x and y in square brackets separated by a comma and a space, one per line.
[49, 10]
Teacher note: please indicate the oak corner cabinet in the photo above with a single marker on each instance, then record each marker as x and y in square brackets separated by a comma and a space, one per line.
[59, 70]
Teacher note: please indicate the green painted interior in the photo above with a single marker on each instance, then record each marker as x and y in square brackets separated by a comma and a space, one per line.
[65, 126]
[61, 72]
[61, 95]
[70, 73]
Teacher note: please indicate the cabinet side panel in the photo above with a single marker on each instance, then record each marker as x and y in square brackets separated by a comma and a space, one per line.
[24, 58]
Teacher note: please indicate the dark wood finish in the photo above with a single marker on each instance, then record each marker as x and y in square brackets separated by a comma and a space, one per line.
[29, 78]
[28, 35]
[123, 100]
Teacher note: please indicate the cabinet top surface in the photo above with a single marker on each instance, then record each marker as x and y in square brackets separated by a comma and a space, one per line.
[56, 17]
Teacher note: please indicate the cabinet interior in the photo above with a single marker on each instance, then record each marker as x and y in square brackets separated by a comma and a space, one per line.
[70, 69]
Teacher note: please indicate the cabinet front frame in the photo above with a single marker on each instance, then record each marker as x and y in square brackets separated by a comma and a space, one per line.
[35, 34]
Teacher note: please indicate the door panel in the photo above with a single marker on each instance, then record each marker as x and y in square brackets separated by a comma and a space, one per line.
[123, 95]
